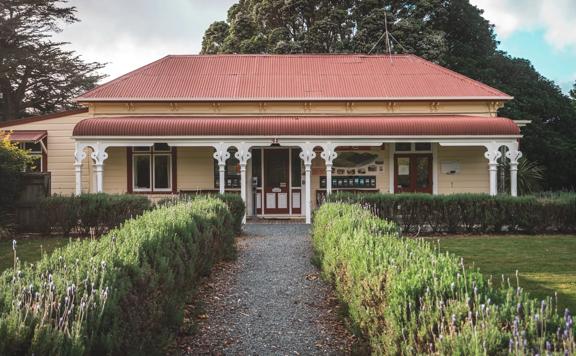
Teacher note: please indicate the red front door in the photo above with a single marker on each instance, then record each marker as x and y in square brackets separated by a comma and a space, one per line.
[413, 173]
[276, 181]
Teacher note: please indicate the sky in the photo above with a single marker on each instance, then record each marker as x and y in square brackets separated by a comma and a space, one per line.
[128, 34]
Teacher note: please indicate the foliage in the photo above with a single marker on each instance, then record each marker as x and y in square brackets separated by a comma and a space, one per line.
[407, 298]
[36, 74]
[234, 203]
[121, 294]
[12, 161]
[452, 33]
[470, 213]
[530, 176]
[90, 212]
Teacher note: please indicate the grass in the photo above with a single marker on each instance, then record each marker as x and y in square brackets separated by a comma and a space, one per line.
[28, 250]
[546, 264]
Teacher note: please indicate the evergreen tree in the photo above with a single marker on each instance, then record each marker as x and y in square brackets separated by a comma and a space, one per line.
[452, 33]
[36, 75]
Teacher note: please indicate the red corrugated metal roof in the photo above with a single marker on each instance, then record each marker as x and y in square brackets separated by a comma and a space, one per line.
[292, 77]
[297, 126]
[27, 135]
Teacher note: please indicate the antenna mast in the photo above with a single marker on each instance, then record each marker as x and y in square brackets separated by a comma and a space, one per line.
[387, 40]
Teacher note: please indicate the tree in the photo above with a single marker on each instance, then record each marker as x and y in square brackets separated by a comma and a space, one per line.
[573, 94]
[12, 161]
[452, 33]
[36, 75]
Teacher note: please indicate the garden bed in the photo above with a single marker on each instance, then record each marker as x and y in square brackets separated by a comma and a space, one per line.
[120, 294]
[406, 297]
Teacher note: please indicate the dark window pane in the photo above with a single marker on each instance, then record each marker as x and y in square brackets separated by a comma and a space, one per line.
[404, 146]
[161, 172]
[141, 149]
[423, 146]
[33, 147]
[296, 168]
[161, 147]
[257, 165]
[422, 172]
[403, 172]
[142, 172]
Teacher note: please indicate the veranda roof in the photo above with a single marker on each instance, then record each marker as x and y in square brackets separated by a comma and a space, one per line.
[27, 135]
[305, 126]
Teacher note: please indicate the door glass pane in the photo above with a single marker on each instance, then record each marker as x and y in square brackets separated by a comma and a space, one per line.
[403, 147]
[276, 168]
[296, 168]
[422, 172]
[161, 172]
[142, 172]
[403, 180]
[423, 146]
[257, 165]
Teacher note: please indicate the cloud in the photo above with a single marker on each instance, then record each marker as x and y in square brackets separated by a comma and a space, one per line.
[555, 18]
[130, 33]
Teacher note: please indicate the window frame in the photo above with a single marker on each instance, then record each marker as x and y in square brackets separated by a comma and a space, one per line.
[35, 154]
[133, 152]
[413, 148]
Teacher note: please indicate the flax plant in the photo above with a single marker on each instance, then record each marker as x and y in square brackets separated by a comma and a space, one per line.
[406, 297]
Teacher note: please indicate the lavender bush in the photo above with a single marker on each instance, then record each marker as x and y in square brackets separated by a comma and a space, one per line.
[408, 298]
[121, 294]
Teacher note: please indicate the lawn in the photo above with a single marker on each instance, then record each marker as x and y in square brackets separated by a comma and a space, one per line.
[28, 250]
[546, 264]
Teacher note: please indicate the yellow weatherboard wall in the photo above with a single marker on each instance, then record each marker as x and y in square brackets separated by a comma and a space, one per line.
[195, 167]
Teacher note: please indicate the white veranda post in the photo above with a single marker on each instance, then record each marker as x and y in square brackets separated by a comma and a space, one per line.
[329, 155]
[79, 156]
[243, 155]
[513, 155]
[307, 155]
[221, 155]
[99, 155]
[492, 154]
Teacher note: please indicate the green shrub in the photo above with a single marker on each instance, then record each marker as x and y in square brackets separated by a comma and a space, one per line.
[470, 213]
[233, 201]
[121, 294]
[407, 298]
[100, 211]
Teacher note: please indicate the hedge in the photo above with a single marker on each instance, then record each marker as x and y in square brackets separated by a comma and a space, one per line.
[99, 212]
[470, 213]
[233, 201]
[121, 294]
[407, 298]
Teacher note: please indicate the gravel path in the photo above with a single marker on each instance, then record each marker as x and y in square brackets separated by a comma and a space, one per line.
[270, 301]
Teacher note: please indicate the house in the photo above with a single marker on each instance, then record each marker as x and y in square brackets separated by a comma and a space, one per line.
[283, 130]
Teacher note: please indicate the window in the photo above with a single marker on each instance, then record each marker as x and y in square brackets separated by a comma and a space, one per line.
[152, 168]
[35, 150]
[413, 147]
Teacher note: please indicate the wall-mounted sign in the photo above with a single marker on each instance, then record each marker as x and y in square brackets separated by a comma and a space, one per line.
[450, 167]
